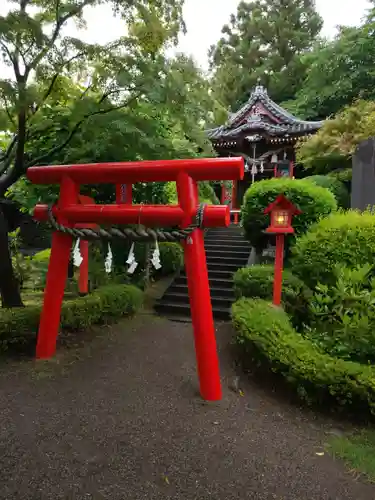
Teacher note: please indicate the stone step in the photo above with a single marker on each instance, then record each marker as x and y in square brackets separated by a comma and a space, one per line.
[226, 241]
[225, 259]
[226, 251]
[227, 246]
[225, 234]
[234, 253]
[183, 298]
[222, 266]
[219, 282]
[216, 291]
[183, 310]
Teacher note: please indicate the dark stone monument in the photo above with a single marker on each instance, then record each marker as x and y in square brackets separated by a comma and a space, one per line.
[363, 176]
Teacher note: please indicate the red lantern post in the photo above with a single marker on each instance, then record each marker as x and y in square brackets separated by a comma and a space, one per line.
[282, 212]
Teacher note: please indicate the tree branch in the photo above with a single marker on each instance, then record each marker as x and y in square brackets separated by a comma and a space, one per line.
[107, 94]
[9, 150]
[46, 94]
[52, 83]
[12, 174]
[12, 59]
[59, 24]
[77, 126]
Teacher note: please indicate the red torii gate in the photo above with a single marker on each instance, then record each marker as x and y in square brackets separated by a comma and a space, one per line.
[70, 212]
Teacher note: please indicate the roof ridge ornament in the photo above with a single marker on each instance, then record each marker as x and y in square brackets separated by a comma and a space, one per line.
[259, 89]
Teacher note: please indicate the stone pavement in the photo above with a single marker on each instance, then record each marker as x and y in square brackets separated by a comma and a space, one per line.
[119, 418]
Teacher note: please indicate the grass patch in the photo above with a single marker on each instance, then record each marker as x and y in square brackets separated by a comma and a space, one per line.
[357, 450]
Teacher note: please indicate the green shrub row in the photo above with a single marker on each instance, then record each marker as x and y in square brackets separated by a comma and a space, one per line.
[104, 305]
[257, 281]
[265, 332]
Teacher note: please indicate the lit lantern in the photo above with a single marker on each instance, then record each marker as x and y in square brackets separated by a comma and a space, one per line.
[282, 211]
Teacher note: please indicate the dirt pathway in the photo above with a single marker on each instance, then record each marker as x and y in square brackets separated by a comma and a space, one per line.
[120, 419]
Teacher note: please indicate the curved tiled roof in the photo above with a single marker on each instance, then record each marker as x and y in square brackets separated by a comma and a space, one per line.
[284, 122]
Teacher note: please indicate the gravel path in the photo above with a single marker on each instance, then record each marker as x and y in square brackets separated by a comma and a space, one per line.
[119, 418]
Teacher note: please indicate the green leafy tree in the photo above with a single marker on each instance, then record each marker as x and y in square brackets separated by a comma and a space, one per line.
[333, 146]
[338, 72]
[167, 123]
[263, 39]
[33, 45]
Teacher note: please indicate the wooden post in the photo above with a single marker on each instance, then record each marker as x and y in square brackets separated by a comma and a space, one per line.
[83, 280]
[279, 264]
[56, 278]
[200, 298]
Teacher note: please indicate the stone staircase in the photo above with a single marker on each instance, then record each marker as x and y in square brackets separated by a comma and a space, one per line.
[226, 251]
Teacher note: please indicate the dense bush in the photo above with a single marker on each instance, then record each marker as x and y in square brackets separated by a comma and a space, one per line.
[336, 187]
[104, 305]
[265, 333]
[171, 258]
[342, 238]
[343, 315]
[257, 281]
[314, 201]
[206, 193]
[42, 256]
[343, 175]
[39, 267]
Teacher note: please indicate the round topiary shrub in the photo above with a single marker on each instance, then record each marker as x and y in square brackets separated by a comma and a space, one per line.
[314, 202]
[336, 187]
[257, 281]
[342, 238]
[171, 258]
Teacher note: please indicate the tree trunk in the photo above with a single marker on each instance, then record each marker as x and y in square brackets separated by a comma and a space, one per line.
[9, 287]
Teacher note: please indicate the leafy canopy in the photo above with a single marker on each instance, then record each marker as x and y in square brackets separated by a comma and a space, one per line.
[263, 39]
[333, 146]
[337, 72]
[41, 57]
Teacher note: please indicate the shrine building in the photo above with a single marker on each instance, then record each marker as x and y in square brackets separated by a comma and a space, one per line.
[265, 135]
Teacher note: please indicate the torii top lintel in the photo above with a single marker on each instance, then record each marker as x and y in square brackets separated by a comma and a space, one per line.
[199, 169]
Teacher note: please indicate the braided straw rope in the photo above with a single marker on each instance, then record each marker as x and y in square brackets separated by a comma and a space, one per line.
[139, 234]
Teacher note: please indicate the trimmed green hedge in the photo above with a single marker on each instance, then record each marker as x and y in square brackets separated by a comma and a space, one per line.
[314, 201]
[346, 238]
[337, 188]
[257, 281]
[265, 332]
[104, 305]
